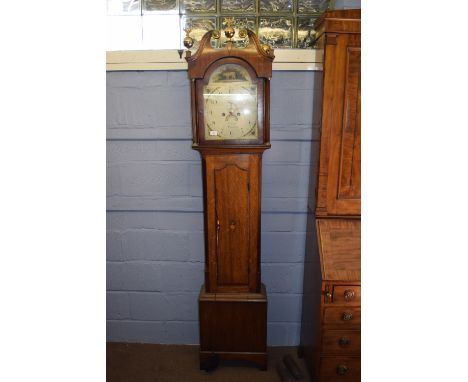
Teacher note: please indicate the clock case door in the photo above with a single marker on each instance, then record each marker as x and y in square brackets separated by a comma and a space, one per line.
[200, 85]
[232, 222]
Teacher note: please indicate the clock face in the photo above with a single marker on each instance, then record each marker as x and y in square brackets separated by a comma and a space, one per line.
[230, 104]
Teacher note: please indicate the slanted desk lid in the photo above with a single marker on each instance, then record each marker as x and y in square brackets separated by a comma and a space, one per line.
[340, 248]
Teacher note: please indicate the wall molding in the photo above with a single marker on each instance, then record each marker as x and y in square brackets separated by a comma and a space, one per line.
[285, 59]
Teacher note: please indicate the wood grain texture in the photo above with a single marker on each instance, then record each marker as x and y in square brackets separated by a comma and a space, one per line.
[233, 306]
[348, 316]
[340, 248]
[339, 180]
[232, 216]
[349, 186]
[330, 369]
[347, 294]
[233, 326]
[341, 342]
[232, 222]
[331, 318]
[339, 21]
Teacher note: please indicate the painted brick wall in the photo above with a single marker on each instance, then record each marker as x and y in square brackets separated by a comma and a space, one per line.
[155, 248]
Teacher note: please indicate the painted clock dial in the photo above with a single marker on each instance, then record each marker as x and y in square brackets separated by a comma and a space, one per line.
[230, 104]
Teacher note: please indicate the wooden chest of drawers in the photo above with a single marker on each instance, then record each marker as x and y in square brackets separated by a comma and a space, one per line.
[331, 322]
[340, 332]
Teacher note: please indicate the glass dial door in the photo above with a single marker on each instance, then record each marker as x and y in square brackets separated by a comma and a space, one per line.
[230, 105]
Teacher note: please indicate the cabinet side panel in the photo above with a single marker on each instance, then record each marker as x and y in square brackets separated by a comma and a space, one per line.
[321, 192]
[312, 287]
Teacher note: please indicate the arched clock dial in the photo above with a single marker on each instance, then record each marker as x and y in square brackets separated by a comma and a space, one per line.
[230, 105]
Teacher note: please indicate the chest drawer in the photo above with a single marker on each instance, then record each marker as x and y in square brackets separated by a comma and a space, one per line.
[347, 294]
[333, 369]
[342, 315]
[341, 342]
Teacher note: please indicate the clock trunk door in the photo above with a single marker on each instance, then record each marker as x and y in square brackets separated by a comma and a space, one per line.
[232, 222]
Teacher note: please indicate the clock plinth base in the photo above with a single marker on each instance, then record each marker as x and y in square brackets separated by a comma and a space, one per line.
[233, 326]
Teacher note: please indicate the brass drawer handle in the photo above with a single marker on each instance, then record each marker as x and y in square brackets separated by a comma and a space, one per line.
[347, 316]
[349, 294]
[344, 341]
[329, 295]
[342, 369]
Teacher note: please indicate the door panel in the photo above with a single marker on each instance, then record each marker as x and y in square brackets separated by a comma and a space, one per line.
[232, 221]
[232, 213]
[339, 188]
[350, 165]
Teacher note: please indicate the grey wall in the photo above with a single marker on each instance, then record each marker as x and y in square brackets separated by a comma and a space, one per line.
[155, 248]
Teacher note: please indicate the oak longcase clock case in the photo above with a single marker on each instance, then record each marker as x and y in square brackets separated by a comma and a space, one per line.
[230, 126]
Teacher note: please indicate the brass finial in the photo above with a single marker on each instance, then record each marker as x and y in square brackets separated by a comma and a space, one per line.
[266, 48]
[188, 41]
[243, 33]
[229, 31]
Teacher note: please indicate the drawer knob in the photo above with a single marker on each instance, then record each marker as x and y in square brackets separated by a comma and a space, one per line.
[342, 369]
[349, 294]
[329, 295]
[347, 316]
[344, 341]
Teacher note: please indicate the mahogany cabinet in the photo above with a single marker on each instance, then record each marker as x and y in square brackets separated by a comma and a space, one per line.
[339, 179]
[331, 307]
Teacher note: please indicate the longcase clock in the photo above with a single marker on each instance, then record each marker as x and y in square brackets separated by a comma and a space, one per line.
[230, 125]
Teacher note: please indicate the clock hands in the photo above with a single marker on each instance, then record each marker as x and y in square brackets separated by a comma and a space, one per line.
[251, 131]
[233, 113]
[232, 109]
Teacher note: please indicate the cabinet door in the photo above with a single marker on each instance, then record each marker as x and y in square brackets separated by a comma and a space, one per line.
[341, 126]
[232, 222]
